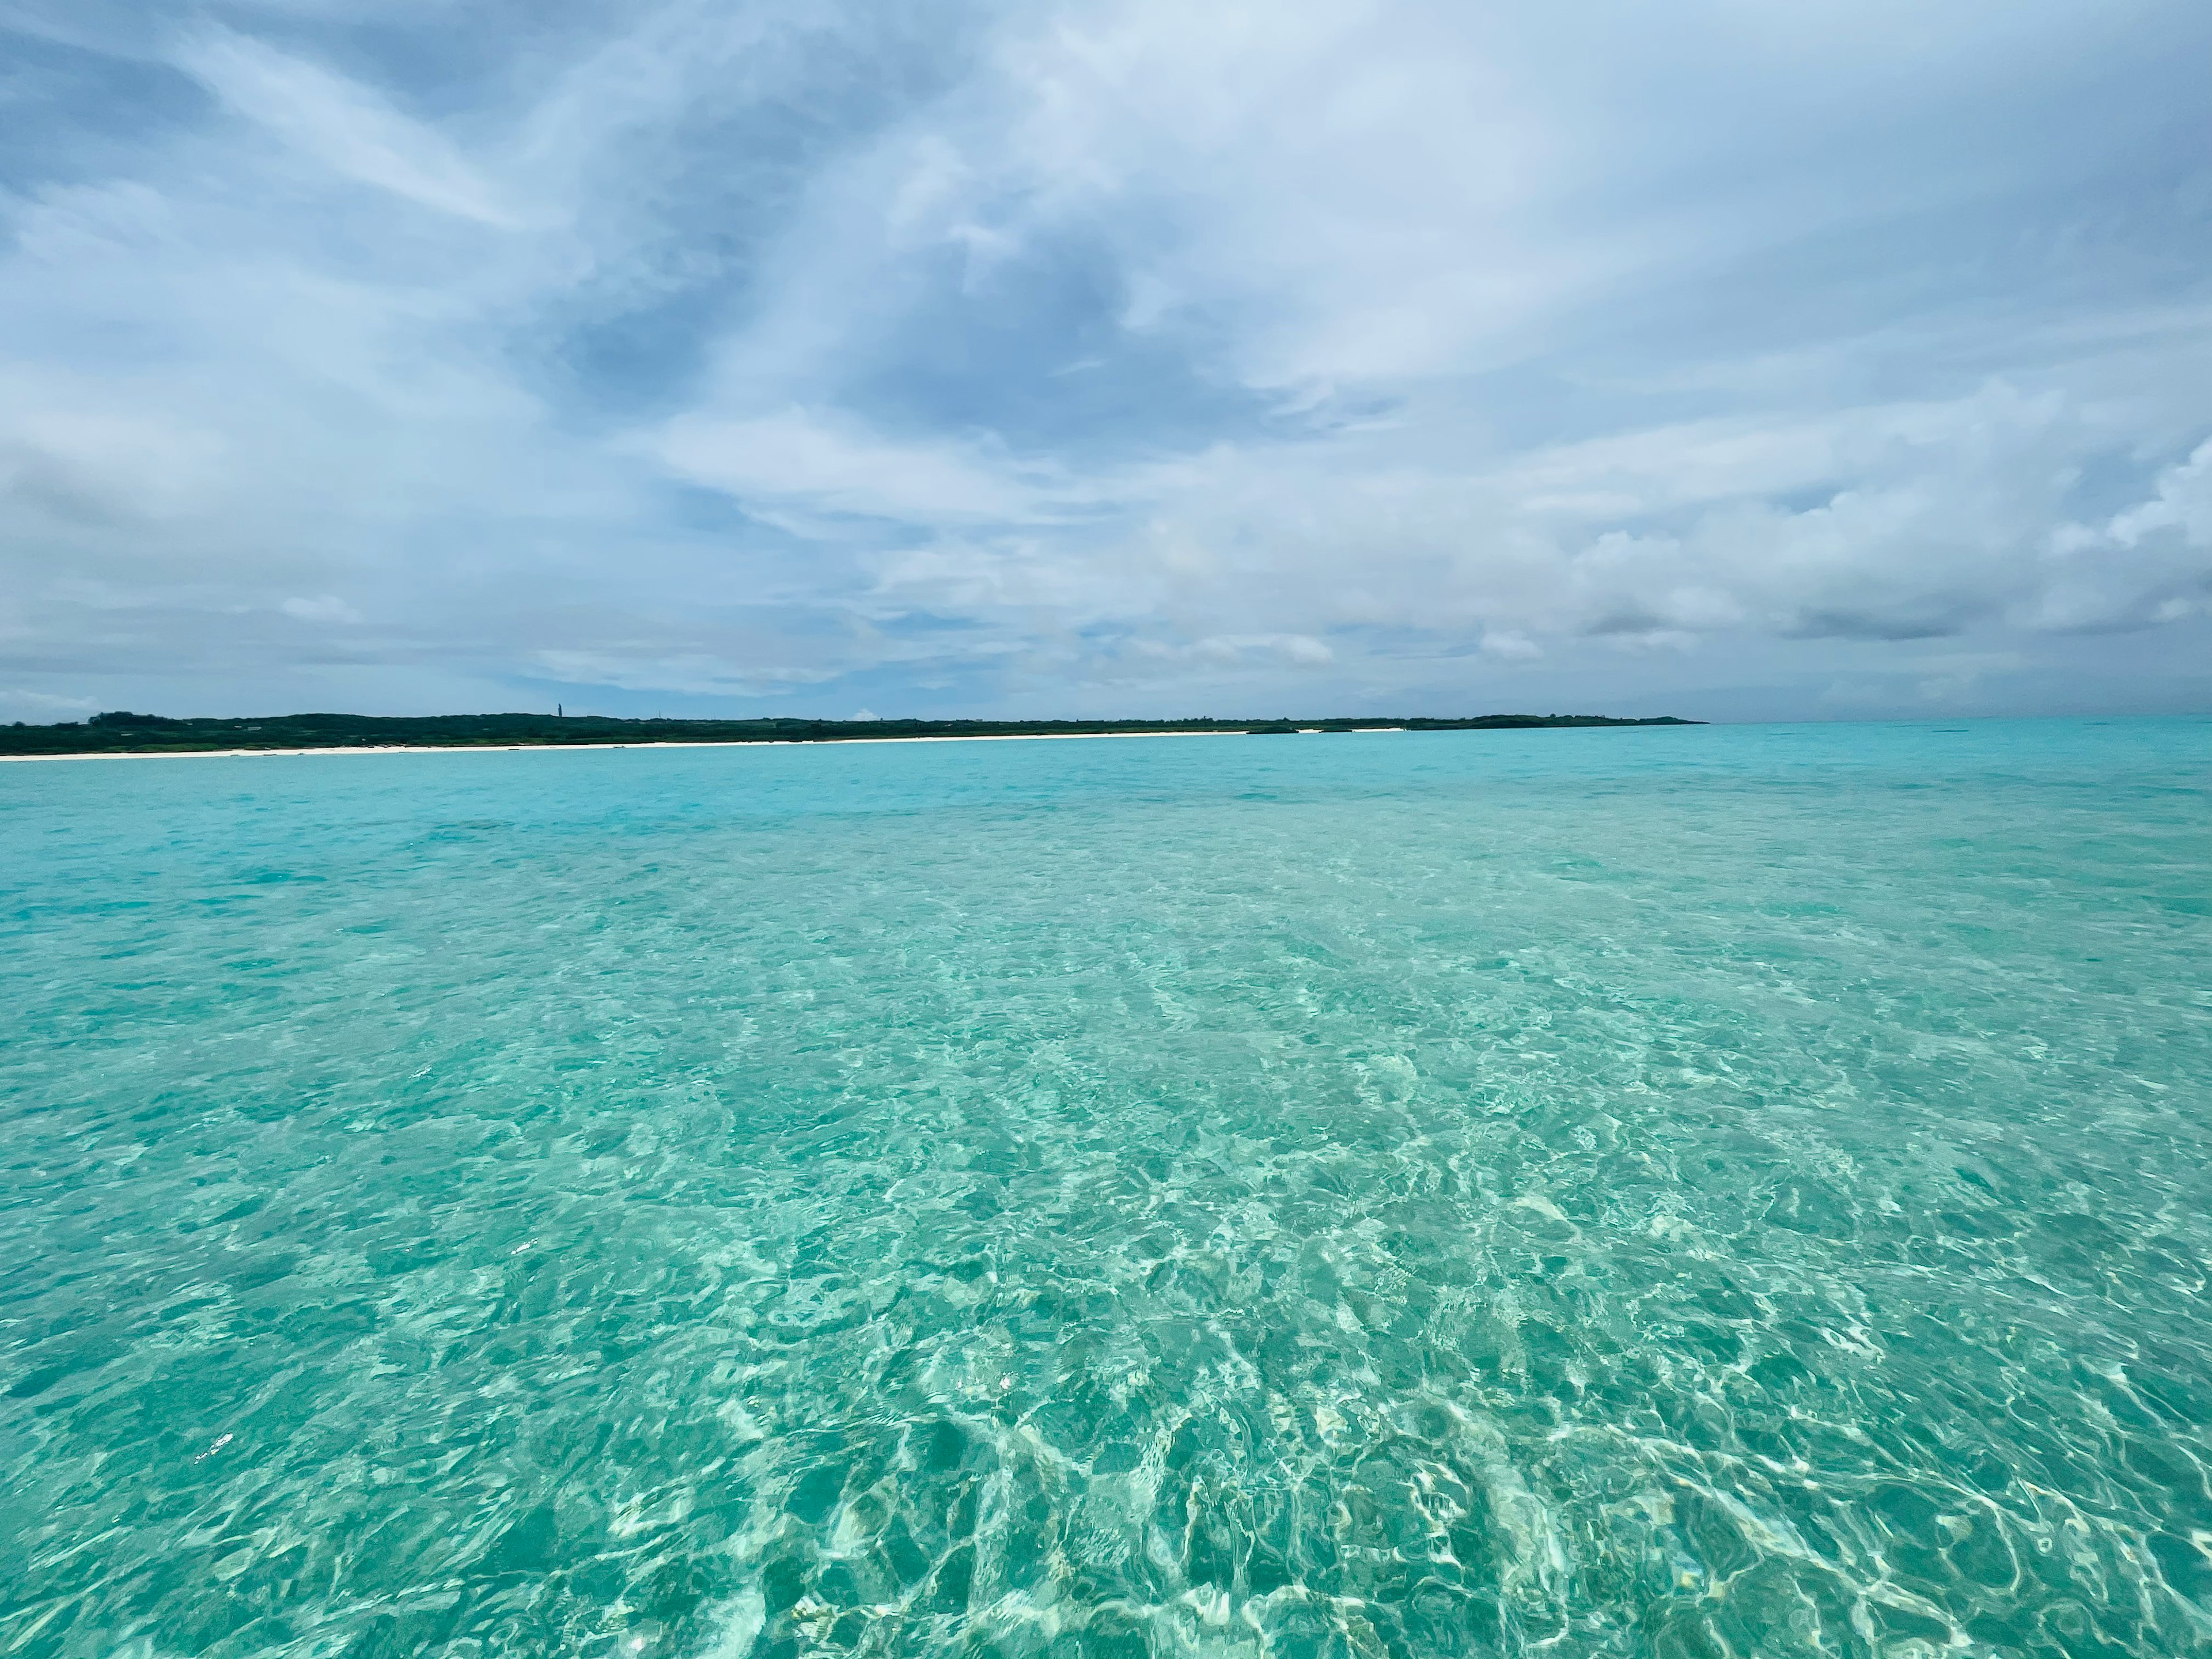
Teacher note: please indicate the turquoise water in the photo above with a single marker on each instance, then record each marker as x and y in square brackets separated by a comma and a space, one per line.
[1704, 1192]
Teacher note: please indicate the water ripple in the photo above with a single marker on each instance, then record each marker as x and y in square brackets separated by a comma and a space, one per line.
[1683, 1194]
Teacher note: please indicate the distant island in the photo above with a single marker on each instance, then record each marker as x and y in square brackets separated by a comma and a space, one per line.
[125, 734]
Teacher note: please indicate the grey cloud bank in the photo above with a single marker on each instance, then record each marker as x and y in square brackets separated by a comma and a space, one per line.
[1106, 359]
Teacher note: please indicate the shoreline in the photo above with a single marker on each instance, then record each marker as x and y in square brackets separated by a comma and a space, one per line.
[572, 748]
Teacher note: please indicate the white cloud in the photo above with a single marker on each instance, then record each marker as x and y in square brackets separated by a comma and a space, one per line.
[325, 608]
[2149, 563]
[62, 453]
[1510, 646]
[2183, 506]
[1886, 522]
[342, 126]
[1300, 650]
[1421, 347]
[835, 466]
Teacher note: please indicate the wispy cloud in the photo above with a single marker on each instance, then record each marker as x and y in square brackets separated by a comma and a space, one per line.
[342, 126]
[800, 459]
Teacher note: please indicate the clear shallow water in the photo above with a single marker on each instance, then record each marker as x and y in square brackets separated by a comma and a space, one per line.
[1730, 1191]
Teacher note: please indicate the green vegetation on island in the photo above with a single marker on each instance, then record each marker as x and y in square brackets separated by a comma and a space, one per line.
[123, 732]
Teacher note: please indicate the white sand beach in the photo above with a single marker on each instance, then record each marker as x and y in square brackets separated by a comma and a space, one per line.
[571, 748]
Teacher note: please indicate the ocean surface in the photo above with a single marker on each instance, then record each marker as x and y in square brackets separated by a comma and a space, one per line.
[1704, 1191]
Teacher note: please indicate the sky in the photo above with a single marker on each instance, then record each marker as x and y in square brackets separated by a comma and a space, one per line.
[1112, 357]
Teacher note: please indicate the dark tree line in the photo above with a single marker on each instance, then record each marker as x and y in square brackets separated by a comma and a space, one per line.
[122, 731]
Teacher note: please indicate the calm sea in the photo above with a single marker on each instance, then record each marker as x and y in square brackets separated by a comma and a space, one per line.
[1729, 1191]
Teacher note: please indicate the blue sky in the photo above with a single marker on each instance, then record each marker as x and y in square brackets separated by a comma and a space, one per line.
[1720, 359]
